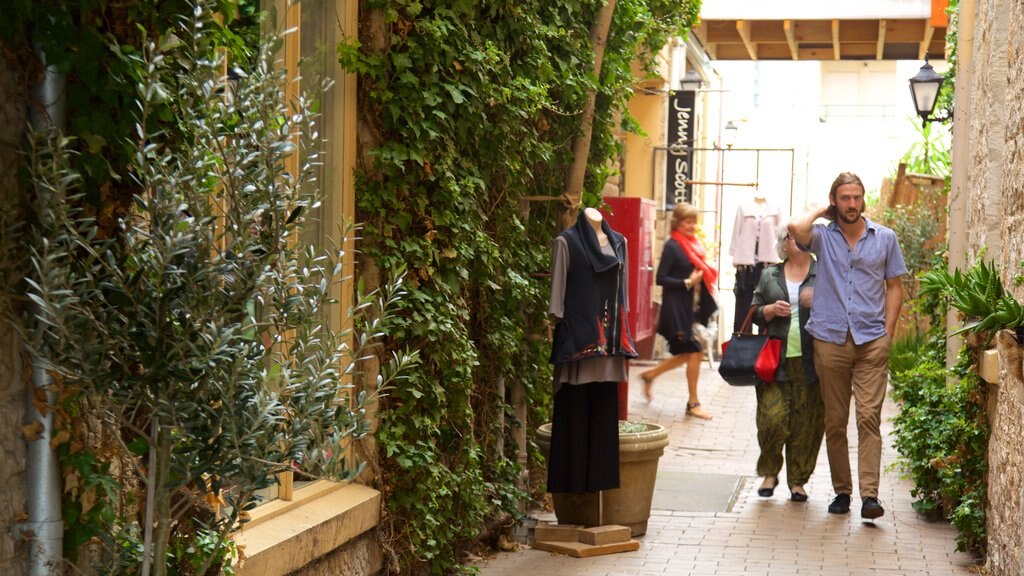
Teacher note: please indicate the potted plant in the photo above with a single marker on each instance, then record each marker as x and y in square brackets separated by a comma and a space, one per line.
[641, 444]
[198, 330]
[988, 309]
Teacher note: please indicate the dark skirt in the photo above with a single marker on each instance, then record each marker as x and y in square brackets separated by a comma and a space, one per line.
[584, 453]
[681, 345]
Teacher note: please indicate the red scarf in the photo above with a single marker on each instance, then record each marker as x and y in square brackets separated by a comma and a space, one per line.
[695, 252]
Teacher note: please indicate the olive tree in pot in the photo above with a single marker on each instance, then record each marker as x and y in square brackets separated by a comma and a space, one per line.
[201, 327]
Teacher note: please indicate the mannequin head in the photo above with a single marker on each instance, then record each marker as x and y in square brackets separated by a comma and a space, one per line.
[684, 213]
[595, 218]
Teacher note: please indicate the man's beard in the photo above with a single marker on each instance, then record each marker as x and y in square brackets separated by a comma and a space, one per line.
[852, 219]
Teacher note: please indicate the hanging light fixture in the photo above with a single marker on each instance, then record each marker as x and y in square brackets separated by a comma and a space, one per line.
[691, 82]
[924, 89]
[731, 131]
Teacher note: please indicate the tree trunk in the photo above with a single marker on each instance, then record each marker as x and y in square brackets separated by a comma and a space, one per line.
[572, 197]
[157, 517]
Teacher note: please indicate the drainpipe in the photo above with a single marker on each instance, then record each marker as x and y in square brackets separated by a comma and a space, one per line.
[959, 195]
[44, 527]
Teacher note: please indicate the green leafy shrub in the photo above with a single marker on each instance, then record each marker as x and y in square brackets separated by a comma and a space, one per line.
[941, 433]
[907, 352]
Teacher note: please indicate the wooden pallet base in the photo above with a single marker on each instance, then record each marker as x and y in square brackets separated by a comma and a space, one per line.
[581, 550]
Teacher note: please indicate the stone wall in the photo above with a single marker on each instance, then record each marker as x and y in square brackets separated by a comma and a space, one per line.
[1005, 525]
[987, 129]
[996, 218]
[12, 400]
[1013, 155]
[360, 557]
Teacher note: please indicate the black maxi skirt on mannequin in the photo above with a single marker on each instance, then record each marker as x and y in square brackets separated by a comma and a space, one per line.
[584, 454]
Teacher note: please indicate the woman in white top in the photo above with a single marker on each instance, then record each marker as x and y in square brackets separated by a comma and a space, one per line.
[790, 412]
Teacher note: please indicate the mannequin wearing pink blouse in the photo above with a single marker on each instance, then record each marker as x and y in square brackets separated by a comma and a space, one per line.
[752, 248]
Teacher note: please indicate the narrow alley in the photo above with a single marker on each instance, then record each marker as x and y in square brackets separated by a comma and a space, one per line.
[724, 529]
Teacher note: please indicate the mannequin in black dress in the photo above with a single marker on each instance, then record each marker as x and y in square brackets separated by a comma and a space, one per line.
[590, 348]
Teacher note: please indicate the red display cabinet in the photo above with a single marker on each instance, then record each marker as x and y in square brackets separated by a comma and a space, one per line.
[634, 219]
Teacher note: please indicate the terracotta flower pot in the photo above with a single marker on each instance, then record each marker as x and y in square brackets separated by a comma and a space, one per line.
[630, 504]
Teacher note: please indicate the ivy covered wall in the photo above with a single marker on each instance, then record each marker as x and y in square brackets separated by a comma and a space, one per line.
[467, 115]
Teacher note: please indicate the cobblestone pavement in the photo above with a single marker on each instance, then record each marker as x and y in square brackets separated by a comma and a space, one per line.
[757, 536]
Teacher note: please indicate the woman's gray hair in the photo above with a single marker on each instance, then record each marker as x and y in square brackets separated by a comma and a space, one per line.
[781, 233]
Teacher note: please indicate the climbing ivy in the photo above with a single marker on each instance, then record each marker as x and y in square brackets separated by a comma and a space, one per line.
[75, 36]
[469, 108]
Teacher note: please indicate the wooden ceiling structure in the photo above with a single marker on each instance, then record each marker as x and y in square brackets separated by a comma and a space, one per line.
[818, 30]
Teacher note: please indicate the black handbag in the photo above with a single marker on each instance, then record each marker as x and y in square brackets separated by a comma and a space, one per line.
[740, 355]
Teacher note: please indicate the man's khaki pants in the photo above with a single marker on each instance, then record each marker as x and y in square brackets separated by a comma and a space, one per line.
[863, 372]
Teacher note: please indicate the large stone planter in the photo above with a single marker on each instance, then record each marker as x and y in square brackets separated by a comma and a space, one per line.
[630, 504]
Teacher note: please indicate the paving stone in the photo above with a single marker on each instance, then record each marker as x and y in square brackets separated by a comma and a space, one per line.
[757, 536]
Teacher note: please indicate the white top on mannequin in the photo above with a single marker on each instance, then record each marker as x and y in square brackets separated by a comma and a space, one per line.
[753, 232]
[595, 218]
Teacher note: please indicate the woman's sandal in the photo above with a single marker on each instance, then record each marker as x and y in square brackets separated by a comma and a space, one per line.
[694, 409]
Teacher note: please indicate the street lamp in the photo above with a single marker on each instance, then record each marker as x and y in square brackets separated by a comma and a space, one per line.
[691, 82]
[729, 138]
[924, 89]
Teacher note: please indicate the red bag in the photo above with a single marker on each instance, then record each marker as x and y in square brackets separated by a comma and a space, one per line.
[768, 360]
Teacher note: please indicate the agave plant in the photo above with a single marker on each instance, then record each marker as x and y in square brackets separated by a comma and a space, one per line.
[979, 295]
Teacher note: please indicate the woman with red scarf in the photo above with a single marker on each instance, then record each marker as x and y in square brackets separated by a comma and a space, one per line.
[688, 298]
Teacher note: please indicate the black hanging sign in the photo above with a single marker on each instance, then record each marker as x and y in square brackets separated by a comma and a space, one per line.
[679, 165]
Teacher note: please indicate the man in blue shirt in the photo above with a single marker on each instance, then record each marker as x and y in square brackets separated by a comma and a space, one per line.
[856, 303]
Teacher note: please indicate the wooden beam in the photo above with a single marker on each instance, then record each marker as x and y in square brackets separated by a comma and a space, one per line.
[815, 53]
[881, 40]
[773, 51]
[730, 52]
[923, 50]
[766, 31]
[701, 33]
[716, 31]
[835, 40]
[743, 28]
[859, 31]
[859, 50]
[787, 27]
[812, 31]
[905, 30]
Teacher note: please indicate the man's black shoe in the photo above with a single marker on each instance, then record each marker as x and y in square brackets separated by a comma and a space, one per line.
[871, 509]
[841, 504]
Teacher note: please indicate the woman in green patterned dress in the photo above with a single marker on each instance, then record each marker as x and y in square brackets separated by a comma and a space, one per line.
[790, 413]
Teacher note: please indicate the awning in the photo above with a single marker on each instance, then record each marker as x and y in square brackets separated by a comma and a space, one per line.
[816, 30]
